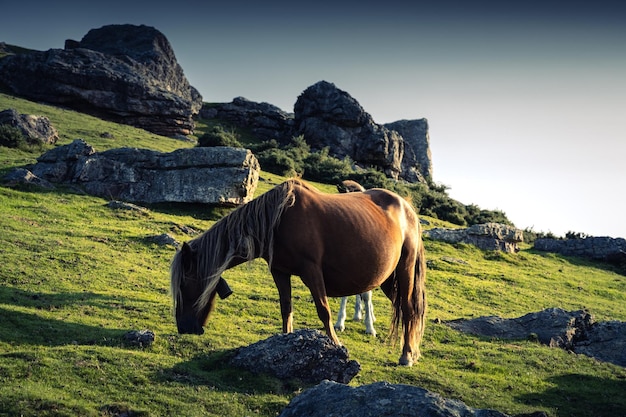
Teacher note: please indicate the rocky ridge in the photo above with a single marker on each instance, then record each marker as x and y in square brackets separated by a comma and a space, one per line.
[123, 73]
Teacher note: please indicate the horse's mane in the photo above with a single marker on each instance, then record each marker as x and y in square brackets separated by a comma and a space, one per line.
[247, 232]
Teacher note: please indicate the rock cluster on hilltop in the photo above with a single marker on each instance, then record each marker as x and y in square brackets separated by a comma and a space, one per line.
[123, 73]
[486, 236]
[330, 118]
[198, 175]
[607, 249]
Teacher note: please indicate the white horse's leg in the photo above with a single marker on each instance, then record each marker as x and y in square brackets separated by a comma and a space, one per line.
[340, 325]
[366, 297]
[358, 308]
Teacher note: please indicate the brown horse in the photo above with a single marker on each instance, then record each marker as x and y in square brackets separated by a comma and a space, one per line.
[338, 244]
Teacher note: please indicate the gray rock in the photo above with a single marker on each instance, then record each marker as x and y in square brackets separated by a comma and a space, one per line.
[164, 239]
[264, 120]
[378, 399]
[597, 248]
[218, 175]
[141, 338]
[330, 117]
[605, 341]
[123, 73]
[572, 330]
[23, 176]
[417, 163]
[36, 129]
[553, 327]
[306, 355]
[487, 236]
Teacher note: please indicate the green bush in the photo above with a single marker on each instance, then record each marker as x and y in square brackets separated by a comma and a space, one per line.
[12, 137]
[278, 161]
[217, 136]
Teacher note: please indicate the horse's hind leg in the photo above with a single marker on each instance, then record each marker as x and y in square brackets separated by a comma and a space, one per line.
[315, 282]
[283, 283]
[358, 308]
[340, 325]
[366, 298]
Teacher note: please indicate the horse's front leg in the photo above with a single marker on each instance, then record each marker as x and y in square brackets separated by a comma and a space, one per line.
[283, 283]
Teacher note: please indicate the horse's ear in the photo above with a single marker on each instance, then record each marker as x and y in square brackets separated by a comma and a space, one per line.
[187, 256]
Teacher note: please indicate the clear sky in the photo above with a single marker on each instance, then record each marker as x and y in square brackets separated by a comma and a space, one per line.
[526, 101]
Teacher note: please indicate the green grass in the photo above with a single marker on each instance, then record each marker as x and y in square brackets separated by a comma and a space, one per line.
[77, 275]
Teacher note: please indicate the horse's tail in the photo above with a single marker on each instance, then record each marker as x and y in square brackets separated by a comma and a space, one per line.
[417, 302]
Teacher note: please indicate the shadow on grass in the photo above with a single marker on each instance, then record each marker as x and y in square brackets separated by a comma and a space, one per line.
[579, 395]
[214, 370]
[19, 327]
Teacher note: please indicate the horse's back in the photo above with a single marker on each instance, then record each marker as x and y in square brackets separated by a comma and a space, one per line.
[355, 238]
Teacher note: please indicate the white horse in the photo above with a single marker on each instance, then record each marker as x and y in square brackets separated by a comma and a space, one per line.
[363, 302]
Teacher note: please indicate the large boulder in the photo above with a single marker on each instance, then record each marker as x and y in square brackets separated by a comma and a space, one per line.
[217, 175]
[378, 399]
[306, 355]
[330, 117]
[36, 129]
[486, 236]
[124, 73]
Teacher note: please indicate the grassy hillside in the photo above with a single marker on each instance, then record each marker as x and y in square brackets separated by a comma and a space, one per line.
[77, 275]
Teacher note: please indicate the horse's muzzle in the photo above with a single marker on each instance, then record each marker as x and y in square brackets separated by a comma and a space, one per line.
[189, 325]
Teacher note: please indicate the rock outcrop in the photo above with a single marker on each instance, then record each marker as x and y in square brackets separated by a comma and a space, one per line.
[123, 73]
[264, 120]
[487, 236]
[575, 331]
[377, 399]
[217, 175]
[36, 129]
[417, 163]
[330, 117]
[313, 357]
[597, 248]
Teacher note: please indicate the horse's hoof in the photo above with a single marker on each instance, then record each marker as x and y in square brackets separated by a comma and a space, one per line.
[405, 360]
[340, 328]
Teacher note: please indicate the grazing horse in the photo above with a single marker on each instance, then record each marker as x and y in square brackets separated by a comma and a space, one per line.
[338, 244]
[363, 305]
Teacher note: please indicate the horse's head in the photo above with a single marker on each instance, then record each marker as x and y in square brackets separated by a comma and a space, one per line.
[193, 293]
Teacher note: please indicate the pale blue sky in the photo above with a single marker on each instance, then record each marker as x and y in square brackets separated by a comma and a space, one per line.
[526, 103]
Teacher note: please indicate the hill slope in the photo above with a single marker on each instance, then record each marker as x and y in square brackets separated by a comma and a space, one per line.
[76, 275]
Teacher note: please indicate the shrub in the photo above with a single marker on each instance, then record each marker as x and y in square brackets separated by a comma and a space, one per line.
[320, 166]
[278, 161]
[12, 137]
[217, 136]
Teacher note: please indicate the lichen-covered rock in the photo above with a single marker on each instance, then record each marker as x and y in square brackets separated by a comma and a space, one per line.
[486, 236]
[378, 399]
[306, 355]
[218, 175]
